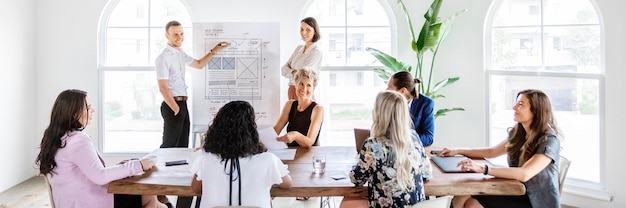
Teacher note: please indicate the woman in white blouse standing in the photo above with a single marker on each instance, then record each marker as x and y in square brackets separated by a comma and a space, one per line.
[307, 55]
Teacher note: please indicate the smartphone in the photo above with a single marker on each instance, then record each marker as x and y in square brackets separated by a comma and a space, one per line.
[435, 152]
[176, 162]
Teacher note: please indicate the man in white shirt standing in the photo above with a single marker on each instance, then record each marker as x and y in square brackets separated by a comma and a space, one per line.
[170, 71]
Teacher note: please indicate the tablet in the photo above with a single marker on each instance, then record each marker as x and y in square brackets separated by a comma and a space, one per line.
[448, 164]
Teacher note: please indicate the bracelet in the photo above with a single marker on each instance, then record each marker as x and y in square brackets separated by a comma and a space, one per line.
[486, 169]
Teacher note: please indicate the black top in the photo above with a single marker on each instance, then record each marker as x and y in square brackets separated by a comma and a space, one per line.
[301, 121]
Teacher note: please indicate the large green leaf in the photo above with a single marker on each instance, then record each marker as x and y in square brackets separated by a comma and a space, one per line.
[443, 111]
[388, 60]
[444, 83]
[433, 11]
[427, 39]
[434, 92]
[383, 73]
[432, 40]
[434, 96]
[408, 19]
[446, 25]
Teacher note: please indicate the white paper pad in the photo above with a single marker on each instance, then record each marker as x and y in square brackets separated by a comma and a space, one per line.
[284, 154]
[268, 137]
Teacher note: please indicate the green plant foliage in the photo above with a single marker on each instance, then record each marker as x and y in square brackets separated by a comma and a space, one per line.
[431, 36]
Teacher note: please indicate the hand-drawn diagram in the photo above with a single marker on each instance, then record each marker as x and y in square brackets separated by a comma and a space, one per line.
[235, 73]
[246, 70]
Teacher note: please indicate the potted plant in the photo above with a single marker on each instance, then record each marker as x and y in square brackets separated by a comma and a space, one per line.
[432, 34]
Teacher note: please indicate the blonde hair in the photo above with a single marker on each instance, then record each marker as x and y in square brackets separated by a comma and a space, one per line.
[307, 72]
[392, 123]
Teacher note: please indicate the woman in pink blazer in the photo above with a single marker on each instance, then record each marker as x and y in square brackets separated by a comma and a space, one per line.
[73, 166]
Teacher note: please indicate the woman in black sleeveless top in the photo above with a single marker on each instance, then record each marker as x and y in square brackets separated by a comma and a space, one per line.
[302, 116]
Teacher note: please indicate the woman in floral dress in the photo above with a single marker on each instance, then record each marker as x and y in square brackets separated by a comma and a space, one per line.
[392, 161]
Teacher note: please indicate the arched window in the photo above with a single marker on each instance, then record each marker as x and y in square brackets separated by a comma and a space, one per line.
[347, 28]
[131, 36]
[554, 46]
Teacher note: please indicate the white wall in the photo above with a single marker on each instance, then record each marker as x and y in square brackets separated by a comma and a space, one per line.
[65, 57]
[19, 141]
[615, 30]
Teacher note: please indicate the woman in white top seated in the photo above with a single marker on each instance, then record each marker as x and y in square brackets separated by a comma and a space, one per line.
[233, 169]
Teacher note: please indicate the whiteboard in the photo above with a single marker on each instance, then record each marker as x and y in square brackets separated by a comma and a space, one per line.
[248, 69]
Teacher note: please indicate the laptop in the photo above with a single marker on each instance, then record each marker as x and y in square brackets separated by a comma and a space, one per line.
[448, 164]
[360, 135]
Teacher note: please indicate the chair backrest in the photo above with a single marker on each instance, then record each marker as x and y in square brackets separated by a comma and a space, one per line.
[564, 164]
[360, 135]
[45, 178]
[439, 202]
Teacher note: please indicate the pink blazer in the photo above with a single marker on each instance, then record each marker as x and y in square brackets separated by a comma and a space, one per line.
[81, 178]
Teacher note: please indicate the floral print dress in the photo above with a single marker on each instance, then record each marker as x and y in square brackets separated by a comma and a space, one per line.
[376, 168]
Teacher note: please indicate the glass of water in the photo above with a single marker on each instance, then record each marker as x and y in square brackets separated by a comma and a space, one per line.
[319, 164]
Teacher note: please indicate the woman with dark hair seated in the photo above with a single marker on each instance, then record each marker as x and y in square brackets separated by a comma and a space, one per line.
[233, 169]
[421, 107]
[76, 171]
[533, 150]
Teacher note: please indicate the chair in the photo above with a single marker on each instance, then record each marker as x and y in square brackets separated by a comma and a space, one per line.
[439, 202]
[45, 178]
[564, 164]
[360, 135]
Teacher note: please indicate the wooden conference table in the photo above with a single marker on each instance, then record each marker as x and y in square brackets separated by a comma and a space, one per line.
[176, 180]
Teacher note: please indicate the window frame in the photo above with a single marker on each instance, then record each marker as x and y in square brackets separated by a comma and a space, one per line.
[572, 185]
[102, 68]
[391, 16]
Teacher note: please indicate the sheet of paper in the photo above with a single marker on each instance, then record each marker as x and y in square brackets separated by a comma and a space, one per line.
[284, 154]
[268, 137]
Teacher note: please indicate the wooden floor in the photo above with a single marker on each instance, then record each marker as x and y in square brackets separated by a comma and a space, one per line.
[33, 193]
[30, 193]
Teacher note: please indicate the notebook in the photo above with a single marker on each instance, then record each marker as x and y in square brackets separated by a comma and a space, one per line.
[448, 164]
[360, 135]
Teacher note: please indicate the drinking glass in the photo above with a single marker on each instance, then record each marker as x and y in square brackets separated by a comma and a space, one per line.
[319, 164]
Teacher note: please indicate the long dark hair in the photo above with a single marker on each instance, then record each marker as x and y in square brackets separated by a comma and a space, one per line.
[233, 133]
[65, 117]
[405, 79]
[523, 144]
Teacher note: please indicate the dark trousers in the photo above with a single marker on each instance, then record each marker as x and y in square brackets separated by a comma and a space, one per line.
[504, 201]
[176, 134]
[175, 128]
[185, 202]
[127, 201]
